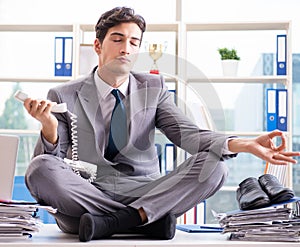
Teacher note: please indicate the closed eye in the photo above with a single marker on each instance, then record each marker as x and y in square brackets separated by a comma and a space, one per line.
[134, 43]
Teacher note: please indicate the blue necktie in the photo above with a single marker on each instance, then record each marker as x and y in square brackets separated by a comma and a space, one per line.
[118, 128]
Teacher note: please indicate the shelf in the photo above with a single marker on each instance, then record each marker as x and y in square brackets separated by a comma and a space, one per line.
[151, 27]
[36, 28]
[164, 27]
[36, 79]
[245, 133]
[19, 132]
[241, 79]
[241, 26]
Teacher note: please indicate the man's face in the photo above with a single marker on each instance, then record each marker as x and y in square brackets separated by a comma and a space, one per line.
[120, 47]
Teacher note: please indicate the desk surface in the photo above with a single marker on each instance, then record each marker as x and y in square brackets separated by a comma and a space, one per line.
[50, 235]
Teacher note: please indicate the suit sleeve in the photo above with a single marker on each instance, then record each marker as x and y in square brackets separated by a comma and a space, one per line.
[61, 148]
[180, 130]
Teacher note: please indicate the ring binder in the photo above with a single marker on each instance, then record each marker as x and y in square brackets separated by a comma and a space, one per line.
[59, 47]
[271, 109]
[281, 54]
[63, 56]
[282, 109]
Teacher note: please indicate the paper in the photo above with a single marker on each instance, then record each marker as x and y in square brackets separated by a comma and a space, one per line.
[18, 219]
[276, 223]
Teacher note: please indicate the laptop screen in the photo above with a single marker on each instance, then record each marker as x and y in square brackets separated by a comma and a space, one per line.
[8, 158]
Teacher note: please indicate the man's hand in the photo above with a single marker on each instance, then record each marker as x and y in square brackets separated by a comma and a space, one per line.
[41, 111]
[264, 148]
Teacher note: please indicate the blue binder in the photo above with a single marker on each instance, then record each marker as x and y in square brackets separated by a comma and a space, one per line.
[173, 93]
[271, 106]
[281, 54]
[282, 110]
[68, 51]
[158, 151]
[59, 56]
[63, 56]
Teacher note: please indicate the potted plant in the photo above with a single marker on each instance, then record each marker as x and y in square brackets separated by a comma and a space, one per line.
[229, 60]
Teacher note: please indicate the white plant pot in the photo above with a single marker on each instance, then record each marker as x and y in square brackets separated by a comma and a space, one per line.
[230, 67]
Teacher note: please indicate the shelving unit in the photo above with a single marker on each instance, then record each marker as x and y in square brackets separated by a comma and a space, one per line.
[180, 30]
[286, 80]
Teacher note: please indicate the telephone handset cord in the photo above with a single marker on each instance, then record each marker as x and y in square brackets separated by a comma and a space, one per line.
[74, 138]
[83, 169]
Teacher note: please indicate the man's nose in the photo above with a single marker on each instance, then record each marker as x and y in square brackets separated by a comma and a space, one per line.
[125, 49]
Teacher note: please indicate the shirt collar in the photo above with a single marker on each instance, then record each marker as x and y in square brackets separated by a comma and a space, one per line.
[104, 89]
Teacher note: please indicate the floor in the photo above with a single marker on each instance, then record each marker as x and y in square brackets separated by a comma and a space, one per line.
[50, 235]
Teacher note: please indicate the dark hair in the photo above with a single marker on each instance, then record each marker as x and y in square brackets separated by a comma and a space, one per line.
[115, 17]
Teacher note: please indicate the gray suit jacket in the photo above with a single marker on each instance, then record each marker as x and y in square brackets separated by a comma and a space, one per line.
[150, 106]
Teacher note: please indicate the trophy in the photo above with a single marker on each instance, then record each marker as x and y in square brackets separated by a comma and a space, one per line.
[155, 52]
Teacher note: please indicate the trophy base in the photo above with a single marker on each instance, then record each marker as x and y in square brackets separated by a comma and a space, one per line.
[154, 71]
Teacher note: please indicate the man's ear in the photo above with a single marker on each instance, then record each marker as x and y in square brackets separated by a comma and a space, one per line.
[97, 46]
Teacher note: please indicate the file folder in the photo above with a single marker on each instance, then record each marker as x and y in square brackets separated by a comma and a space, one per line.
[59, 51]
[68, 51]
[281, 54]
[170, 156]
[173, 93]
[282, 113]
[63, 56]
[158, 151]
[271, 109]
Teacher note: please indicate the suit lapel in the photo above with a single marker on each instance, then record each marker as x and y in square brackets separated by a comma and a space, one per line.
[88, 100]
[137, 100]
[138, 96]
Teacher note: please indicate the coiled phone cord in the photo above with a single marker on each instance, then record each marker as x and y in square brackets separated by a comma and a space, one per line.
[74, 136]
[80, 170]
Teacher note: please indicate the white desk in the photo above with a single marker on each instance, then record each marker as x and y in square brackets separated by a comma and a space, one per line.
[50, 235]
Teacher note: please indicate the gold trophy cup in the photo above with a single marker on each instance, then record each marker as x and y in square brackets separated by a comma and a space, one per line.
[155, 52]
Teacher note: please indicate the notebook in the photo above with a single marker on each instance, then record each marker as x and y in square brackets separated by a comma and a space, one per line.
[199, 228]
[8, 157]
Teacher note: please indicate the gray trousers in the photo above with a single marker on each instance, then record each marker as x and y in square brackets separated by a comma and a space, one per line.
[52, 182]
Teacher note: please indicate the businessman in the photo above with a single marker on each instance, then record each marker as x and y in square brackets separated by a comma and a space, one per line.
[117, 112]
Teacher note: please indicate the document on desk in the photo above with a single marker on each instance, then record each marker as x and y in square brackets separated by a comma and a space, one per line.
[19, 220]
[275, 223]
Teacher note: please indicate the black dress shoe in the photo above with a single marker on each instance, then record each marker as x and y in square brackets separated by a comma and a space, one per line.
[99, 227]
[163, 229]
[274, 189]
[250, 195]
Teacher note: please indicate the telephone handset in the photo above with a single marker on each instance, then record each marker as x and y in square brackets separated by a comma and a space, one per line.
[58, 108]
[84, 169]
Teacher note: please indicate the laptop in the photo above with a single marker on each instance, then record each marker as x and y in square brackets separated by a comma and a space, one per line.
[8, 158]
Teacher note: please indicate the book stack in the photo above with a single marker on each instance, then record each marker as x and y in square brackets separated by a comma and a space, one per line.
[266, 224]
[19, 220]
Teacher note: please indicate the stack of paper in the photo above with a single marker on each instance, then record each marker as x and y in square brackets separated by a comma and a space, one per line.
[267, 224]
[18, 220]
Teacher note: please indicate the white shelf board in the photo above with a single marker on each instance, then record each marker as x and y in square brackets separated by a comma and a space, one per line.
[245, 133]
[19, 132]
[36, 28]
[238, 26]
[248, 133]
[152, 27]
[36, 79]
[241, 79]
